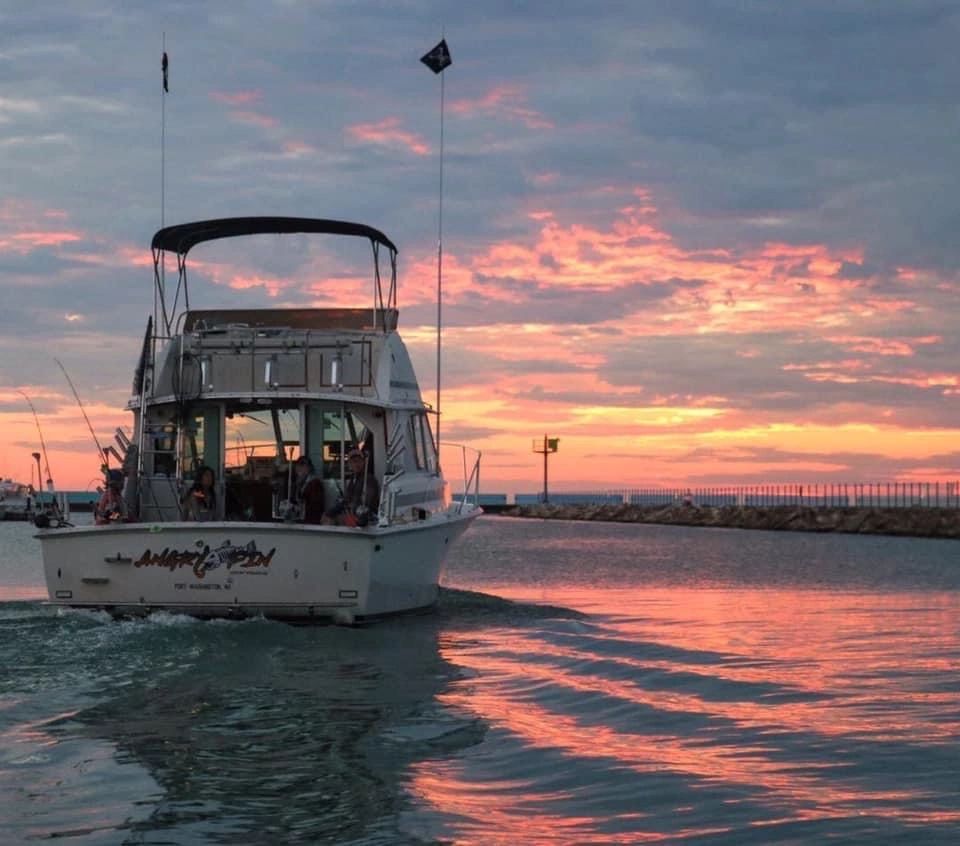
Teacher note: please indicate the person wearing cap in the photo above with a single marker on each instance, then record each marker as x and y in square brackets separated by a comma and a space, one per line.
[200, 502]
[308, 491]
[110, 507]
[361, 494]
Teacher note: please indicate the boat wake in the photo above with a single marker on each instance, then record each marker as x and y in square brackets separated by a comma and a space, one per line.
[457, 605]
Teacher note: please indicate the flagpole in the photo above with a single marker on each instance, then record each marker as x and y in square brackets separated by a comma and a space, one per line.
[437, 60]
[440, 267]
[163, 169]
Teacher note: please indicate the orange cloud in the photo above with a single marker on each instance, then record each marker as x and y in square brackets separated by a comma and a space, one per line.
[533, 320]
[777, 290]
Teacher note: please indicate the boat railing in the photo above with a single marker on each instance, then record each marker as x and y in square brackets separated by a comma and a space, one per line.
[469, 461]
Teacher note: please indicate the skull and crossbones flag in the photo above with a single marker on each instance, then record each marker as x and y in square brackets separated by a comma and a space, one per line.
[438, 58]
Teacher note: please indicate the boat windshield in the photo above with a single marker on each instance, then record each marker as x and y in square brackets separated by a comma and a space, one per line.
[259, 440]
[252, 446]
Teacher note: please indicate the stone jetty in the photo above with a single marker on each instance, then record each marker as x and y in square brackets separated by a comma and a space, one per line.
[909, 521]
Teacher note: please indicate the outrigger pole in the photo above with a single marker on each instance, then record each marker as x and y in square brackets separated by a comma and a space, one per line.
[43, 445]
[438, 59]
[104, 458]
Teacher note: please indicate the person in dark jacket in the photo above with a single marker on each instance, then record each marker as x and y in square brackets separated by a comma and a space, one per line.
[308, 491]
[200, 502]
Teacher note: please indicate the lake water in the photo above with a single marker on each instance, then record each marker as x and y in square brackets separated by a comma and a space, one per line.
[579, 683]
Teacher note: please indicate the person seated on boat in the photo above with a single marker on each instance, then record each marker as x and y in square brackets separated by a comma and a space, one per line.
[111, 507]
[200, 502]
[308, 491]
[361, 496]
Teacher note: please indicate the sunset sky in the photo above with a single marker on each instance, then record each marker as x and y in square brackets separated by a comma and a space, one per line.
[700, 241]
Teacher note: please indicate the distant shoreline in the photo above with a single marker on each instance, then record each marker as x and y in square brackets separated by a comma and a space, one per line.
[908, 521]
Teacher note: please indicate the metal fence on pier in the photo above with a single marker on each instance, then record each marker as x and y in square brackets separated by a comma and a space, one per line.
[944, 494]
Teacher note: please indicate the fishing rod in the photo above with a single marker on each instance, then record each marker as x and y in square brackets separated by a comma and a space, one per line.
[43, 445]
[104, 458]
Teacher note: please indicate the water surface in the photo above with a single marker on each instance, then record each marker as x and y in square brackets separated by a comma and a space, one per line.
[578, 683]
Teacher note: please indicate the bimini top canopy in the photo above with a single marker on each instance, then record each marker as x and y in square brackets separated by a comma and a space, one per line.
[184, 236]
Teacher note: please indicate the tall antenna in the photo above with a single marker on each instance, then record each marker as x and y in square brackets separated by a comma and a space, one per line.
[104, 459]
[164, 67]
[438, 59]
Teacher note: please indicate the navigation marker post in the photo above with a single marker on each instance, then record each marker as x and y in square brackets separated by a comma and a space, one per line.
[549, 445]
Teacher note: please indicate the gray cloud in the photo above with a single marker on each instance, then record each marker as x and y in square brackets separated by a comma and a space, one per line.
[749, 122]
[534, 301]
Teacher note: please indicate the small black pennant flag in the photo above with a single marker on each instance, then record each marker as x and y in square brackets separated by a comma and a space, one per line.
[438, 58]
[165, 64]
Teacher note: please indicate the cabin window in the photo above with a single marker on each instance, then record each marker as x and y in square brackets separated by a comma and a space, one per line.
[335, 440]
[414, 435]
[429, 447]
[259, 441]
[200, 445]
[259, 444]
[332, 431]
[163, 447]
[422, 441]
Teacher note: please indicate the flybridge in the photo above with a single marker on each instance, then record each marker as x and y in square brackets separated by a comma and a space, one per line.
[180, 239]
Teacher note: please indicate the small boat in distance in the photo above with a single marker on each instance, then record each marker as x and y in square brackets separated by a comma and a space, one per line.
[17, 500]
[248, 394]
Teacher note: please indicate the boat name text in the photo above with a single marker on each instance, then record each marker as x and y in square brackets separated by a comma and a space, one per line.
[204, 558]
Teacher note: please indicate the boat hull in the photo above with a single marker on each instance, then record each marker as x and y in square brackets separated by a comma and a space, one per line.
[233, 569]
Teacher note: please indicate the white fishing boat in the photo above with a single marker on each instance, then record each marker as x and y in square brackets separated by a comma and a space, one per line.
[17, 500]
[247, 393]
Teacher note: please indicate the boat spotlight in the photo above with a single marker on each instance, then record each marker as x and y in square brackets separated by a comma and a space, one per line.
[205, 373]
[336, 372]
[269, 373]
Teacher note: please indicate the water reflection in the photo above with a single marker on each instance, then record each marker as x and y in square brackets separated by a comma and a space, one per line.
[718, 687]
[730, 713]
[236, 732]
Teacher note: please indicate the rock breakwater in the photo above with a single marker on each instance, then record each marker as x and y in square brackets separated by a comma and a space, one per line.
[914, 522]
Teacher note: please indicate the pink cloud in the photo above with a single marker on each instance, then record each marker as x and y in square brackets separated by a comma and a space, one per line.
[242, 111]
[237, 98]
[884, 346]
[25, 227]
[298, 148]
[507, 100]
[255, 118]
[25, 242]
[388, 133]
